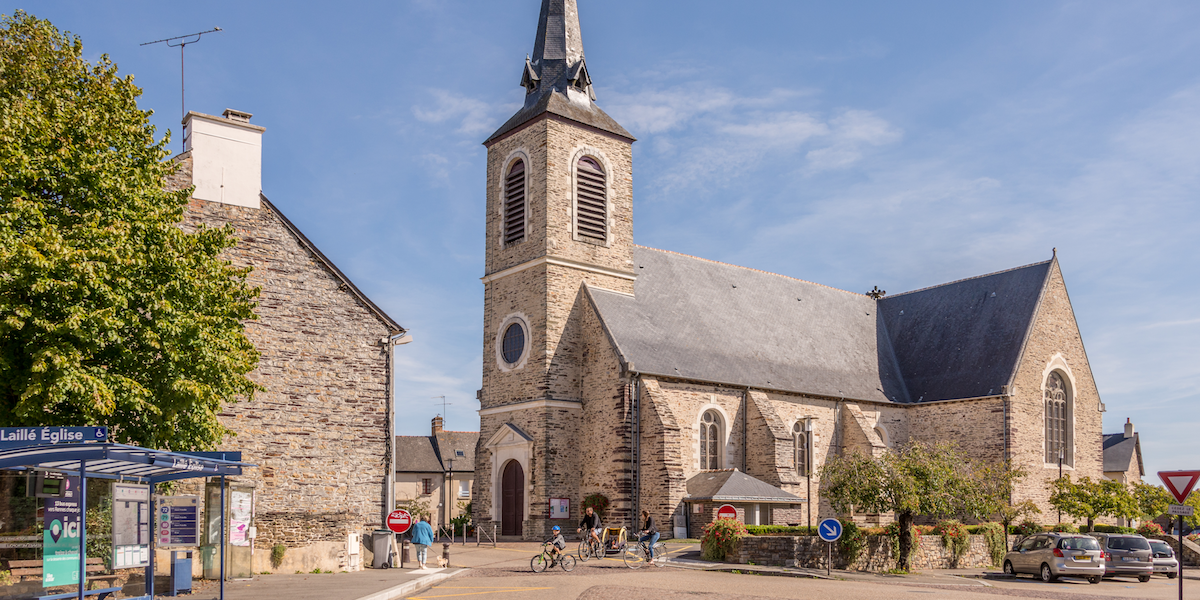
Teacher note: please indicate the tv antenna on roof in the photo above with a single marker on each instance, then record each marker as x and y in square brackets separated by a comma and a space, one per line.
[444, 405]
[182, 41]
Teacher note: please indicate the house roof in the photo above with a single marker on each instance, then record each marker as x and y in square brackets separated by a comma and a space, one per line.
[732, 485]
[692, 318]
[963, 339]
[433, 453]
[1119, 451]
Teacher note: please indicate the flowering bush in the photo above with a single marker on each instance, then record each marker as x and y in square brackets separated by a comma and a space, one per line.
[720, 537]
[598, 502]
[1028, 528]
[1195, 537]
[1150, 528]
[852, 542]
[955, 538]
[997, 541]
[1065, 528]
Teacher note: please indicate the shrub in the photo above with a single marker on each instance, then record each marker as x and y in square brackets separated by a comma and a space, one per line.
[954, 538]
[1195, 537]
[720, 537]
[1065, 528]
[598, 502]
[997, 542]
[277, 552]
[1027, 528]
[893, 532]
[1113, 529]
[779, 530]
[852, 542]
[1150, 528]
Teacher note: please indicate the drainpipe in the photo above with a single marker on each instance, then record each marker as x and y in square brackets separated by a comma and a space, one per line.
[745, 426]
[635, 446]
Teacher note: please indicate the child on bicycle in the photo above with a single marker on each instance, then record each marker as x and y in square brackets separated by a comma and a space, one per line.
[557, 543]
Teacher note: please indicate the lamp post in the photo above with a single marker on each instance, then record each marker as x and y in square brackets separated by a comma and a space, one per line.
[1060, 461]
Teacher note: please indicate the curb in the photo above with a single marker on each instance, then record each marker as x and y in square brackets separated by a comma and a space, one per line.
[415, 586]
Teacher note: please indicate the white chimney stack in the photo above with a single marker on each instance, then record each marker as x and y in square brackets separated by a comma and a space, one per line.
[1128, 428]
[226, 157]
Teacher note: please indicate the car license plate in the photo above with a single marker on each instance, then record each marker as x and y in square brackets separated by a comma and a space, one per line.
[1129, 558]
[1083, 559]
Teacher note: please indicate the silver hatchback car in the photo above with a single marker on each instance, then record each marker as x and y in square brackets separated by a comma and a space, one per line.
[1126, 554]
[1054, 555]
[1164, 559]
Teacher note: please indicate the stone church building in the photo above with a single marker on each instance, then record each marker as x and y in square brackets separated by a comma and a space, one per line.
[675, 384]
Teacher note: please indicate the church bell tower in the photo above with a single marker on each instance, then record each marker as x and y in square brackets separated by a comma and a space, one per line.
[559, 217]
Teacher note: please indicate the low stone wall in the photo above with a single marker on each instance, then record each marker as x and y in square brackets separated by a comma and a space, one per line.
[812, 552]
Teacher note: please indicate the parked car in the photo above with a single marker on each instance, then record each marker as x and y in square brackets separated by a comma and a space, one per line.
[1164, 558]
[1126, 554]
[1053, 555]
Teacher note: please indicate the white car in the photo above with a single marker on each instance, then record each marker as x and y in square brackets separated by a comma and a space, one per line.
[1164, 559]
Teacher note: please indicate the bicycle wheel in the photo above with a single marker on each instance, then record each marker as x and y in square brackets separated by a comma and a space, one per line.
[538, 563]
[567, 562]
[660, 552]
[634, 556]
[584, 550]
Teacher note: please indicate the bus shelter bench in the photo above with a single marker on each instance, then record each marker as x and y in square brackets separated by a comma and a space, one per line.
[33, 568]
[99, 594]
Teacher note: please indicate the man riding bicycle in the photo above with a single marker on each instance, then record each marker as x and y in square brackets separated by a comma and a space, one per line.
[591, 522]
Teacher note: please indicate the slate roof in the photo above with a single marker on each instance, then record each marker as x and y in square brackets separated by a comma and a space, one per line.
[1118, 451]
[691, 318]
[963, 339]
[732, 485]
[432, 454]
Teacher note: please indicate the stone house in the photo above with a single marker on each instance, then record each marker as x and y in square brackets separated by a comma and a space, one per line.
[629, 371]
[435, 473]
[320, 432]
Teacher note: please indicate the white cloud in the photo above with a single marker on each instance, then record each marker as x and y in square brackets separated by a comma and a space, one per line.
[474, 116]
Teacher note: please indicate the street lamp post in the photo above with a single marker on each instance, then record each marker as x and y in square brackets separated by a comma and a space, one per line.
[1060, 461]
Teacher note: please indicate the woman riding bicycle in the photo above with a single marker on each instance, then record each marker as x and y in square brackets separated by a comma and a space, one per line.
[649, 533]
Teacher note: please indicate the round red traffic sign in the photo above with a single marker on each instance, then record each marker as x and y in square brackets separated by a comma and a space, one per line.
[399, 521]
[727, 511]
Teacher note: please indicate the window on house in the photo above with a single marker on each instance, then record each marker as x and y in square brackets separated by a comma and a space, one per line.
[1058, 419]
[710, 440]
[514, 204]
[591, 201]
[464, 489]
[426, 486]
[800, 438]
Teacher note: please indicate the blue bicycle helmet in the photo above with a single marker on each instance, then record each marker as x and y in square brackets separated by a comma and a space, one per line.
[555, 528]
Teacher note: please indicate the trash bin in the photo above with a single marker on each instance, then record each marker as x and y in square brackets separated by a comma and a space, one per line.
[381, 547]
[181, 572]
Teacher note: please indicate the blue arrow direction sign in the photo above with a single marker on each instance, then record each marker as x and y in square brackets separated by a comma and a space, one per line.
[20, 437]
[830, 530]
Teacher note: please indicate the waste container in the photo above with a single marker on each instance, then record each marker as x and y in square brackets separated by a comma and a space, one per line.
[181, 572]
[381, 547]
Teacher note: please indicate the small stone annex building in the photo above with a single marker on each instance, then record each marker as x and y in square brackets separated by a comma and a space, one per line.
[673, 383]
[320, 433]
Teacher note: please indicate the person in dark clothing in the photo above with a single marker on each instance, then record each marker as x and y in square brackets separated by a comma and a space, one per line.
[649, 533]
[591, 522]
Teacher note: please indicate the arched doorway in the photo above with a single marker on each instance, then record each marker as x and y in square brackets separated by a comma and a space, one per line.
[512, 498]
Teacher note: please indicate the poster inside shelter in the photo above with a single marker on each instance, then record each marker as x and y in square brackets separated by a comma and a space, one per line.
[60, 537]
[240, 507]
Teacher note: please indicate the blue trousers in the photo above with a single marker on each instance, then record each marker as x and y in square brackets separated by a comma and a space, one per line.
[653, 537]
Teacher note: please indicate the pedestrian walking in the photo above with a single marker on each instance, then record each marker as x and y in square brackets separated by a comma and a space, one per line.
[422, 538]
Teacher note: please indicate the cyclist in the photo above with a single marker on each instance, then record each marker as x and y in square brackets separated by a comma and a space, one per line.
[649, 533]
[591, 522]
[557, 543]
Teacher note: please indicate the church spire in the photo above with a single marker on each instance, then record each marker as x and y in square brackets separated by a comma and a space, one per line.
[556, 78]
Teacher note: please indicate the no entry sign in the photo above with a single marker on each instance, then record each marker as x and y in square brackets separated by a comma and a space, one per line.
[727, 511]
[399, 521]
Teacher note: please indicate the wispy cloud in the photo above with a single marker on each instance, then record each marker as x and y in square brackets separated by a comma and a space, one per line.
[473, 116]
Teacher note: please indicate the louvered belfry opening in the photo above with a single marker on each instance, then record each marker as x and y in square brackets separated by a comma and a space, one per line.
[514, 204]
[591, 201]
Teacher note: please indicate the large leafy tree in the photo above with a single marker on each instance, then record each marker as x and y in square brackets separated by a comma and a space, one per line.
[1090, 499]
[934, 480]
[110, 313]
[1151, 500]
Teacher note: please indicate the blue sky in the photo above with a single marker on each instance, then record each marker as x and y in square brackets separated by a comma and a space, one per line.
[853, 144]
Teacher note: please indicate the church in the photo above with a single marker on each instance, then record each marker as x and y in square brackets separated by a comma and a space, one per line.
[675, 384]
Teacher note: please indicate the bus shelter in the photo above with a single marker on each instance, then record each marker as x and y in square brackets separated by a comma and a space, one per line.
[103, 460]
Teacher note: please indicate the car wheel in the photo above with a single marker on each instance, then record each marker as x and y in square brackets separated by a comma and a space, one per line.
[1094, 579]
[1172, 575]
[1047, 574]
[1143, 578]
[1008, 569]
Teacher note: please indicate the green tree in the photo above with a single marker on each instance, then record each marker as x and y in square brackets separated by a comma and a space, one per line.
[1151, 500]
[1014, 512]
[1087, 499]
[1193, 500]
[110, 313]
[916, 479]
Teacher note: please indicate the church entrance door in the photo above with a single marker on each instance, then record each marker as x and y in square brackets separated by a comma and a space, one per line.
[512, 498]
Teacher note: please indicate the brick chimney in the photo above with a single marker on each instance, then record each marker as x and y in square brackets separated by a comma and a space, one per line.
[437, 425]
[1128, 428]
[226, 157]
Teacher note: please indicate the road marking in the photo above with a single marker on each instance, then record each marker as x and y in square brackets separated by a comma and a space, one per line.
[494, 590]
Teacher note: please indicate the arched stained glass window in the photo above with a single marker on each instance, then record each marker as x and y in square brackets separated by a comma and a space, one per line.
[514, 204]
[710, 440]
[800, 438]
[1058, 419]
[591, 201]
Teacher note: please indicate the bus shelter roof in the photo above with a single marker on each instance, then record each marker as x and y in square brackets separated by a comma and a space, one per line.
[119, 461]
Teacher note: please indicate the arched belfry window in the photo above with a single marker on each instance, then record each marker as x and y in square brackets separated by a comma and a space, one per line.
[514, 203]
[591, 201]
[800, 438]
[710, 440]
[1058, 419]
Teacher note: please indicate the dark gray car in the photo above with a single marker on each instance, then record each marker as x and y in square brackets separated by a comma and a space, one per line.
[1126, 554]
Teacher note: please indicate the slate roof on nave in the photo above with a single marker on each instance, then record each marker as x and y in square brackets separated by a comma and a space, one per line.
[691, 318]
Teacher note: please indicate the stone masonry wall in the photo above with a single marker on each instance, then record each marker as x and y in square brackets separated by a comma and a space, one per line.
[317, 433]
[811, 552]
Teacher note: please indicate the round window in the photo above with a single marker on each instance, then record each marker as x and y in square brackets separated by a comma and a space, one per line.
[514, 343]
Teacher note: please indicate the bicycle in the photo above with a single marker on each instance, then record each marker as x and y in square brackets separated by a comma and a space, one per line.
[638, 554]
[589, 547]
[544, 559]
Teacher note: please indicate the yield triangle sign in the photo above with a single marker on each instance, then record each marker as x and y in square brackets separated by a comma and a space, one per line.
[1179, 483]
